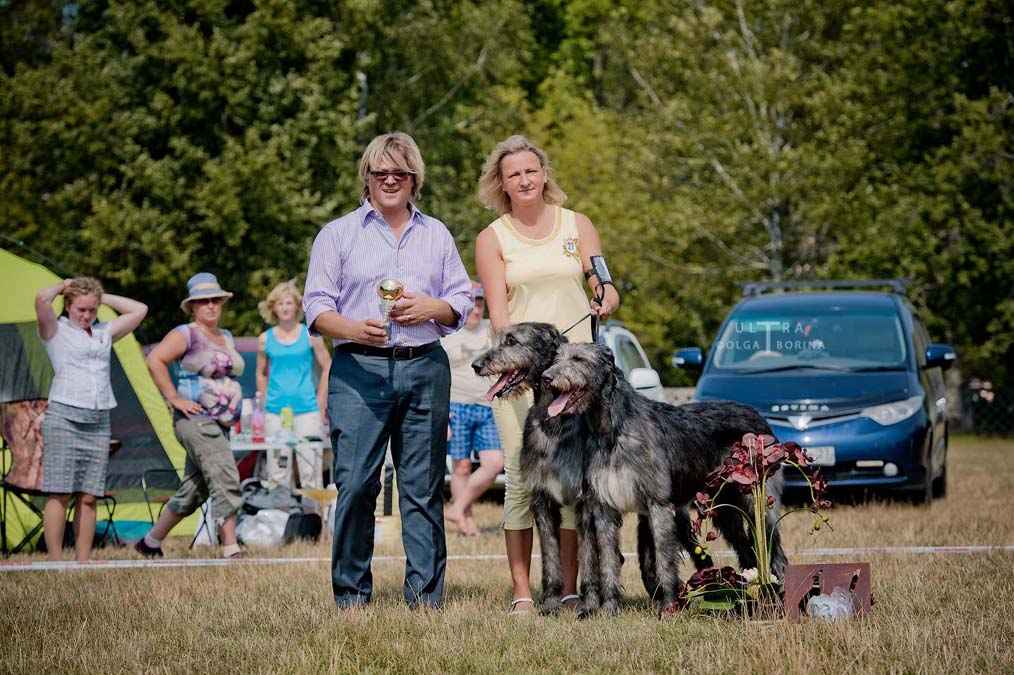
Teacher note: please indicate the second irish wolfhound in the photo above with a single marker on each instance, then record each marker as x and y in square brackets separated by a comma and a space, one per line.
[645, 457]
[553, 452]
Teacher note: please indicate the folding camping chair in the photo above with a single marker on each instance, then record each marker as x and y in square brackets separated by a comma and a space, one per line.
[158, 486]
[23, 480]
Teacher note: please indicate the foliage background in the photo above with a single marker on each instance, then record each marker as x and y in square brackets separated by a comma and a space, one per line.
[711, 141]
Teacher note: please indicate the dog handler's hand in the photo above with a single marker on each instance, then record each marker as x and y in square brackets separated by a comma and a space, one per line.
[608, 304]
[603, 309]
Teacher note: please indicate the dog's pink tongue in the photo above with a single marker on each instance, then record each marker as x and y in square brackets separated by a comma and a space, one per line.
[558, 404]
[495, 389]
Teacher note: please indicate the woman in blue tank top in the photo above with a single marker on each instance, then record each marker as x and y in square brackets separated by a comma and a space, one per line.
[285, 356]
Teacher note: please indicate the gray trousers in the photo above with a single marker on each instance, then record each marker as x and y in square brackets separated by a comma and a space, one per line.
[210, 469]
[370, 401]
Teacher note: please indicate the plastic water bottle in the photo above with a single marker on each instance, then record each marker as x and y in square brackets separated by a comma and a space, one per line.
[257, 420]
[288, 434]
[836, 606]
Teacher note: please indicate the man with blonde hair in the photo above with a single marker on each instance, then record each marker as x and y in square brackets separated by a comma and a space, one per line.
[389, 380]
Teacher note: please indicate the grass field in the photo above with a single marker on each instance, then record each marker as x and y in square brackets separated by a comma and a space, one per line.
[945, 612]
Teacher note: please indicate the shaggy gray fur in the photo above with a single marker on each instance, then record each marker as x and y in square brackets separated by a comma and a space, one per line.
[646, 457]
[553, 452]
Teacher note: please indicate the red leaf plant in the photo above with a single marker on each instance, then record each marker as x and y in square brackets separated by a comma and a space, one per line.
[751, 462]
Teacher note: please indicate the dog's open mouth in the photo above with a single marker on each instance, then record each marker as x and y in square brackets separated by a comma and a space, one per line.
[504, 386]
[564, 401]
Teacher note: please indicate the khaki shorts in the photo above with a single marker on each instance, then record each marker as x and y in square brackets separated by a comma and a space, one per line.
[210, 469]
[517, 504]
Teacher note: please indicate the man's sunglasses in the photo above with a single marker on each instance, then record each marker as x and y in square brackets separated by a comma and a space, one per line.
[400, 176]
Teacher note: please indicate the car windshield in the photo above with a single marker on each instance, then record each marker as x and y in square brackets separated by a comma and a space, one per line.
[824, 339]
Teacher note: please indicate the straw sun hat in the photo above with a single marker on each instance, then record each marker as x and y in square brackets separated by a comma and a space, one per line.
[202, 285]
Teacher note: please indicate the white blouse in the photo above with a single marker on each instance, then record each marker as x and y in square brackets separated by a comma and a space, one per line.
[81, 364]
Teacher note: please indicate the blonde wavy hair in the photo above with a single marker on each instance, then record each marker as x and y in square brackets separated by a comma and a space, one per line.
[491, 192]
[287, 288]
[396, 150]
[79, 287]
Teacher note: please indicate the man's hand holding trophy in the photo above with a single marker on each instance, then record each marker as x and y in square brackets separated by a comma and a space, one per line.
[407, 308]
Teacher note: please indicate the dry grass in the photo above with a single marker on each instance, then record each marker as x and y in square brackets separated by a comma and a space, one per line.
[934, 613]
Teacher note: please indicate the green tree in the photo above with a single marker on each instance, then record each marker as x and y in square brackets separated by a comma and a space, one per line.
[733, 156]
[154, 139]
[739, 141]
[165, 138]
[939, 201]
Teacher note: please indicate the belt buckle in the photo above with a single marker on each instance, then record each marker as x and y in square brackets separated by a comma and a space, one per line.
[401, 353]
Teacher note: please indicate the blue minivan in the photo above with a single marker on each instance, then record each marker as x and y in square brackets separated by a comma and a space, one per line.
[850, 375]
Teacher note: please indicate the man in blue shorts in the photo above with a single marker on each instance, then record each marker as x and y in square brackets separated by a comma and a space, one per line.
[471, 427]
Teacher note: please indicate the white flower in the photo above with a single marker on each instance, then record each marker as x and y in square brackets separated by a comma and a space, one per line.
[752, 576]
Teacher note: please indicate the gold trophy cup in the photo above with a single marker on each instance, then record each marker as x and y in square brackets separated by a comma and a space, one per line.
[389, 291]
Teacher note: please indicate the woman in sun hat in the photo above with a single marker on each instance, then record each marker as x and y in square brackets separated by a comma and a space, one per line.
[205, 402]
[75, 427]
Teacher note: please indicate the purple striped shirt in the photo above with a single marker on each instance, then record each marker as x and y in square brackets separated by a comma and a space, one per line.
[352, 254]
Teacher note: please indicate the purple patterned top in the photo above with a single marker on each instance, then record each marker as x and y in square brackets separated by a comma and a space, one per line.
[208, 374]
[352, 254]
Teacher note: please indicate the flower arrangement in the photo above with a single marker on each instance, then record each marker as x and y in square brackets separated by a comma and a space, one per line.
[751, 462]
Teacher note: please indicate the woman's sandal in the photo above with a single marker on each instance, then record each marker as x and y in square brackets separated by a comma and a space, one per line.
[567, 598]
[515, 611]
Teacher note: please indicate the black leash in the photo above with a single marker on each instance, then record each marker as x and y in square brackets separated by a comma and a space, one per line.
[564, 332]
[600, 295]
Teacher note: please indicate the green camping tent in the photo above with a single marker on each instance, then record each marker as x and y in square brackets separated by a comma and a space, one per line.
[140, 421]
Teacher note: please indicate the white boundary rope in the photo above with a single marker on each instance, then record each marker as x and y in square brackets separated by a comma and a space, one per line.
[167, 563]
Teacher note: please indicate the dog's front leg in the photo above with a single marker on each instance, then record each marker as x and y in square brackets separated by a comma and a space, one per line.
[589, 558]
[607, 530]
[547, 521]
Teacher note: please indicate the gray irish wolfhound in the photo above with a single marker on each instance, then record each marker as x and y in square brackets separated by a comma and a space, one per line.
[646, 457]
[553, 452]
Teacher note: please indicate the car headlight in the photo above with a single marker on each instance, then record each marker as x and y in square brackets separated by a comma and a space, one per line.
[892, 413]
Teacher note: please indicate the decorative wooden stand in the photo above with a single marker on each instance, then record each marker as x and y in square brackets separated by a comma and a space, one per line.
[853, 577]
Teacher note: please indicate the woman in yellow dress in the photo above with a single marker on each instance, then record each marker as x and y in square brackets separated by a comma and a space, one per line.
[532, 262]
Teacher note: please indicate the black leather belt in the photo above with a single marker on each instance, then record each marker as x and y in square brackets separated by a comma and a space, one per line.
[396, 353]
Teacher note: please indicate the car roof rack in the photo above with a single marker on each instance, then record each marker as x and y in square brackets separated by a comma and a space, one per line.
[755, 288]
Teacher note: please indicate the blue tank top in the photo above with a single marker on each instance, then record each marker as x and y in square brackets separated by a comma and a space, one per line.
[290, 374]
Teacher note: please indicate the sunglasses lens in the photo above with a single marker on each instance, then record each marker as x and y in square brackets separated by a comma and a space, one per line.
[399, 176]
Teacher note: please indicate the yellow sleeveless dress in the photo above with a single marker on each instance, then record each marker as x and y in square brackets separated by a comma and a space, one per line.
[545, 282]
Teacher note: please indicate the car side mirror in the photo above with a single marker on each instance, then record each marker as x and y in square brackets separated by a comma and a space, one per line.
[940, 356]
[690, 358]
[642, 379]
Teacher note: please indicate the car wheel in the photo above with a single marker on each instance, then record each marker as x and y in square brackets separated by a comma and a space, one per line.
[940, 483]
[924, 493]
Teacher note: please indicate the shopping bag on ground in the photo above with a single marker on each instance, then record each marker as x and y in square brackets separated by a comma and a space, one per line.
[264, 528]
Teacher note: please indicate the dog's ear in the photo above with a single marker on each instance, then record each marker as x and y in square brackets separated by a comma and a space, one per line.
[550, 334]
